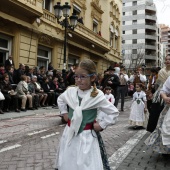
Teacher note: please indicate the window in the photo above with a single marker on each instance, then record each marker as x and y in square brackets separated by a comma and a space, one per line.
[134, 31]
[134, 3]
[76, 10]
[44, 56]
[48, 5]
[135, 12]
[123, 22]
[134, 41]
[5, 47]
[134, 51]
[123, 13]
[95, 26]
[134, 22]
[123, 32]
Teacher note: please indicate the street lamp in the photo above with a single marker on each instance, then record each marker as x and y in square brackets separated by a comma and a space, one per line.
[65, 12]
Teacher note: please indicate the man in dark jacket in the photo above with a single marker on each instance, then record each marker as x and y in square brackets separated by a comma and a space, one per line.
[9, 62]
[112, 81]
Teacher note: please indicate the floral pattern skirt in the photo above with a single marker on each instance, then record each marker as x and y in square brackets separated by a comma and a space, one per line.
[154, 141]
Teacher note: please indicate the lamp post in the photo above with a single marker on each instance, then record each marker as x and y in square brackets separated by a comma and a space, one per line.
[65, 12]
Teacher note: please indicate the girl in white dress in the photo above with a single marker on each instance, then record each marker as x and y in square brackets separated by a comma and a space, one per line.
[139, 106]
[79, 146]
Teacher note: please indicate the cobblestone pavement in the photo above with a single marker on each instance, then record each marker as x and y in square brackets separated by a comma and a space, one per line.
[142, 158]
[30, 142]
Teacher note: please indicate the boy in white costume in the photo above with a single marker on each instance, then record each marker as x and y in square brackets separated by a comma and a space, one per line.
[79, 146]
[139, 106]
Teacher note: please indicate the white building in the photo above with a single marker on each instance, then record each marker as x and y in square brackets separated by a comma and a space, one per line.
[139, 33]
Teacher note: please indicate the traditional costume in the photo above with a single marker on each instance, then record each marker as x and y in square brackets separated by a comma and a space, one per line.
[79, 147]
[157, 102]
[137, 115]
[159, 140]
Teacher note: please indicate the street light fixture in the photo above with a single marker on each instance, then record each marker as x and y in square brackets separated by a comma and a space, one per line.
[65, 12]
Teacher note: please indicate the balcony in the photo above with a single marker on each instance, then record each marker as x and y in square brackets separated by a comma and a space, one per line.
[151, 36]
[151, 17]
[48, 17]
[31, 9]
[91, 36]
[150, 57]
[150, 46]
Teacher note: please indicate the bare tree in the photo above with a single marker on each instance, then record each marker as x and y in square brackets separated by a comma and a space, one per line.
[132, 61]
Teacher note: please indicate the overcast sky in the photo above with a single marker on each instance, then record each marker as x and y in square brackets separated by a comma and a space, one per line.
[163, 11]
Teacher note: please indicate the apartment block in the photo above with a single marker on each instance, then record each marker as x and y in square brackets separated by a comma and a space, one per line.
[139, 33]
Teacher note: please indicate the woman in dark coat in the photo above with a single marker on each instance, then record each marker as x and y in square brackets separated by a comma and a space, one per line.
[9, 94]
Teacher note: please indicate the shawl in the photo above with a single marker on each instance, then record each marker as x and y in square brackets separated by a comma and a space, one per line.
[71, 98]
[163, 74]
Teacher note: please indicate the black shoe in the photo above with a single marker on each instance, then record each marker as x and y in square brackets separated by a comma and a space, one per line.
[24, 110]
[36, 108]
[1, 112]
[17, 110]
[30, 108]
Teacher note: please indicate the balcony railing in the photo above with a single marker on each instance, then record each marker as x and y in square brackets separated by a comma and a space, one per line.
[84, 31]
[150, 57]
[48, 16]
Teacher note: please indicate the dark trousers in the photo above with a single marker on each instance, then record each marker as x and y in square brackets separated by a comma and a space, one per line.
[1, 104]
[50, 98]
[10, 99]
[121, 91]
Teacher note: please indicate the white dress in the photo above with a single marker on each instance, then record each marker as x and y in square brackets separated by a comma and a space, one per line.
[82, 152]
[137, 115]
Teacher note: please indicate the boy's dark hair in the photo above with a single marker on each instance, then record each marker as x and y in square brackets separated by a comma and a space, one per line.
[107, 88]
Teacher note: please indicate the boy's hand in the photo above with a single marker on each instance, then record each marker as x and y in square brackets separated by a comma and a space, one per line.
[97, 127]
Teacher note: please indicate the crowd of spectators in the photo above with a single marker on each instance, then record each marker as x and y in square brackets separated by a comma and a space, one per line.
[34, 87]
[29, 88]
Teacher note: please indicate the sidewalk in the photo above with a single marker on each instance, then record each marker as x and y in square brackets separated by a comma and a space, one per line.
[143, 158]
[14, 115]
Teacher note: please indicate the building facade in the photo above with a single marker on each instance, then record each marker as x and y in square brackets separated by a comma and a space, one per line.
[139, 33]
[165, 37]
[29, 31]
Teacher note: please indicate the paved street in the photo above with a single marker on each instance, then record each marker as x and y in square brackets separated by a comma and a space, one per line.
[30, 142]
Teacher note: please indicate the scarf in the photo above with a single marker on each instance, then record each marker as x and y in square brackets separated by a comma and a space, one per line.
[70, 96]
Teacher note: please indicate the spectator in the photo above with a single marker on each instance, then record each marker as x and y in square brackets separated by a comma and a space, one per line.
[55, 86]
[9, 94]
[113, 82]
[31, 89]
[138, 77]
[41, 74]
[18, 73]
[40, 92]
[121, 89]
[2, 71]
[9, 63]
[23, 93]
[70, 76]
[30, 73]
[50, 67]
[49, 91]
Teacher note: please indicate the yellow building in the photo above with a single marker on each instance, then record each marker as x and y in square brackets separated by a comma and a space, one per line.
[29, 31]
